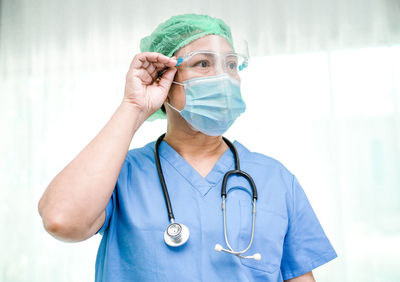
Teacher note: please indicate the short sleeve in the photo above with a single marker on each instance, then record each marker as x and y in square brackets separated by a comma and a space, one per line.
[109, 210]
[113, 203]
[305, 246]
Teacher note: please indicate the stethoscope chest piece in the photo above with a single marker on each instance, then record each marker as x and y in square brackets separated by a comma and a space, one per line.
[176, 234]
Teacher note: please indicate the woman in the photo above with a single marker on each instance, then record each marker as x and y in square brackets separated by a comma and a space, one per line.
[118, 193]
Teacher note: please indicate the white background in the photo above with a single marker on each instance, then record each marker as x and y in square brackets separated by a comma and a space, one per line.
[323, 97]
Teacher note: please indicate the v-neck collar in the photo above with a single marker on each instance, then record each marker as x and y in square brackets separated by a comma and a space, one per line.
[201, 184]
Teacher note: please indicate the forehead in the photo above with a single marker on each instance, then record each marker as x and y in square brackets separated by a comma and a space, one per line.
[213, 43]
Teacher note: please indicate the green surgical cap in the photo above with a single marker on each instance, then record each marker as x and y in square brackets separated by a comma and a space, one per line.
[179, 31]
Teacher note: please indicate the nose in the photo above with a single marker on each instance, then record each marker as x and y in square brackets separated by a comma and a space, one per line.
[219, 68]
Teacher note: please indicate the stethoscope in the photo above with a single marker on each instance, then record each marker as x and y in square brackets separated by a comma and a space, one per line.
[177, 234]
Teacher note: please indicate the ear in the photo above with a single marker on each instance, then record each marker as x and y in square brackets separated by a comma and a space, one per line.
[170, 91]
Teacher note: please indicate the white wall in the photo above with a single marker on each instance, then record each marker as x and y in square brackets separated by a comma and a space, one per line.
[322, 92]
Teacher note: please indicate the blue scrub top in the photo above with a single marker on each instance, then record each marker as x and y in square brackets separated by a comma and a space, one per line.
[287, 234]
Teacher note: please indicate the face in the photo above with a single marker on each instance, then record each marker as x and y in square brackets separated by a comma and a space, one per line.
[214, 43]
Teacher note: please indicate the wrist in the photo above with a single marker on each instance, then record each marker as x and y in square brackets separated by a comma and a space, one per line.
[138, 114]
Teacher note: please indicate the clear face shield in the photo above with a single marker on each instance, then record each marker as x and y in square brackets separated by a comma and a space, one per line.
[209, 69]
[212, 55]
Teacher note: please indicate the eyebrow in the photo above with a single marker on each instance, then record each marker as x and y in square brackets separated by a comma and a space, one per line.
[206, 54]
[212, 52]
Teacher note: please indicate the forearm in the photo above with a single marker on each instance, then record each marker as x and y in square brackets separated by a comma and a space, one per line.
[78, 195]
[308, 277]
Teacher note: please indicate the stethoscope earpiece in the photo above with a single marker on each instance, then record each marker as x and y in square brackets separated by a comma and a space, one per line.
[219, 248]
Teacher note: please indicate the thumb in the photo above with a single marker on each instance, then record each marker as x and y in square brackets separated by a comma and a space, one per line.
[167, 78]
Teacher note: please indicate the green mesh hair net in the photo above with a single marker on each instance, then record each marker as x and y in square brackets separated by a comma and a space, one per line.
[179, 31]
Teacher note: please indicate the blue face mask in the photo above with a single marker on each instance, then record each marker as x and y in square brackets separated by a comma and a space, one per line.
[213, 103]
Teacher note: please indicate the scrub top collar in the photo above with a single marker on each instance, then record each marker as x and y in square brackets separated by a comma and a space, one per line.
[201, 184]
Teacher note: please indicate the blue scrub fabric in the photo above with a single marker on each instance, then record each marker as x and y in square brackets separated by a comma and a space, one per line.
[287, 234]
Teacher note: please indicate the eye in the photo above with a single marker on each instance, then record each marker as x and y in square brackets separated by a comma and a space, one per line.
[232, 65]
[202, 64]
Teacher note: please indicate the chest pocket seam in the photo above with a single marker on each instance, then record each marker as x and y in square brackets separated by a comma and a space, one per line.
[245, 232]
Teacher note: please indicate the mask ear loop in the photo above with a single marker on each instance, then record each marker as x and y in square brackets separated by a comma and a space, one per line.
[172, 107]
[175, 82]
[179, 61]
[179, 112]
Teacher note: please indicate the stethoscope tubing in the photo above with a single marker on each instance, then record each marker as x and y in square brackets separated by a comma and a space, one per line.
[236, 171]
[171, 216]
[238, 253]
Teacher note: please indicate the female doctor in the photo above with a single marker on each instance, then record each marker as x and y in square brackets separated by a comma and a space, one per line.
[169, 211]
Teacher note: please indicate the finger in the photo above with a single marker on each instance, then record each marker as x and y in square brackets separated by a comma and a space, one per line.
[137, 65]
[154, 74]
[172, 62]
[144, 76]
[159, 66]
[139, 61]
[146, 64]
[160, 59]
[157, 58]
[151, 69]
[167, 78]
[152, 57]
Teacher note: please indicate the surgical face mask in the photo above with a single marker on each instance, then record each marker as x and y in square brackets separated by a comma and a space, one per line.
[213, 103]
